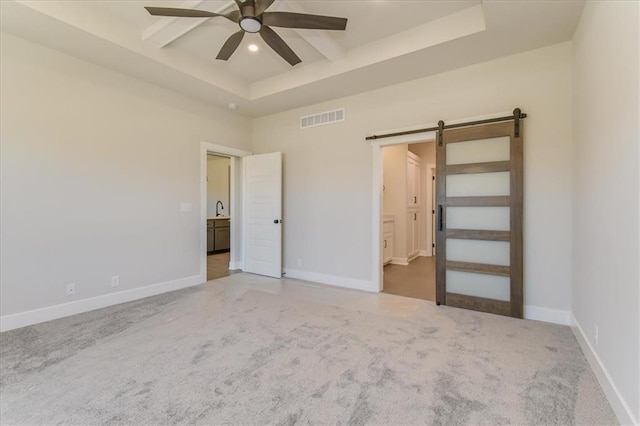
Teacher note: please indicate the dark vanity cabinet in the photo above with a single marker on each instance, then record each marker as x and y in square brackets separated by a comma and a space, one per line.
[218, 235]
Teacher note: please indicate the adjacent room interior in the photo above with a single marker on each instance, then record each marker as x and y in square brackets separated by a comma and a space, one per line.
[409, 217]
[346, 212]
[218, 218]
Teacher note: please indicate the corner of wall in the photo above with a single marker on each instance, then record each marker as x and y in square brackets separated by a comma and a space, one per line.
[617, 401]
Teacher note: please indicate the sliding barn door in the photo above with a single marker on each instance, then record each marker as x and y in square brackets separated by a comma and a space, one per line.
[479, 223]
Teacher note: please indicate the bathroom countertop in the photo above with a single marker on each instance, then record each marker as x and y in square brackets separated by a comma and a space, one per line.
[218, 217]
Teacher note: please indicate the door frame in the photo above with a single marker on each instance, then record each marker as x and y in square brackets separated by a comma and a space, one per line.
[235, 203]
[377, 281]
[376, 187]
[429, 216]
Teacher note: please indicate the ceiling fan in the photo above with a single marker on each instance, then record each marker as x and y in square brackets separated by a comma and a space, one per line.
[253, 18]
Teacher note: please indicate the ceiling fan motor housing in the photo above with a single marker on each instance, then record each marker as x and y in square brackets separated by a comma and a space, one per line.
[250, 25]
[249, 22]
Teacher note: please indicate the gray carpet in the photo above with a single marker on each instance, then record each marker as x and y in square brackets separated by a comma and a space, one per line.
[195, 357]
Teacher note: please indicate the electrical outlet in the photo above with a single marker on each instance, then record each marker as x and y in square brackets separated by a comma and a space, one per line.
[115, 281]
[595, 334]
[71, 289]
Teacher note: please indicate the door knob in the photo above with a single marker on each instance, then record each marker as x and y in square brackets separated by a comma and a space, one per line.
[277, 221]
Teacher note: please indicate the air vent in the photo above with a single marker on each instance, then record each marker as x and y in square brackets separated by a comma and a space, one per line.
[323, 118]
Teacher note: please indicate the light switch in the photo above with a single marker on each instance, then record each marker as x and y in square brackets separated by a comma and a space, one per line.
[186, 207]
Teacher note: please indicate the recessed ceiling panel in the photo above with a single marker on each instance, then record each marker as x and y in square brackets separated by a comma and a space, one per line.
[205, 41]
[376, 19]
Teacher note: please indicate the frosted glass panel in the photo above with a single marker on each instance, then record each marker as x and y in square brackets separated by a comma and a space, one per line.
[478, 184]
[489, 252]
[479, 151]
[481, 218]
[479, 285]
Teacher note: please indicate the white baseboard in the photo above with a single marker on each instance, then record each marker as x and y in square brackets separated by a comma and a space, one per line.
[619, 405]
[330, 280]
[539, 313]
[399, 261]
[23, 319]
[236, 265]
[426, 253]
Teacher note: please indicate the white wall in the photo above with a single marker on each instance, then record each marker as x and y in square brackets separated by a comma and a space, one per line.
[605, 193]
[328, 169]
[395, 197]
[217, 185]
[427, 153]
[94, 167]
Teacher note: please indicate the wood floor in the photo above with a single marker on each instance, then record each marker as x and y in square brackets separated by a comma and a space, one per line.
[417, 280]
[218, 266]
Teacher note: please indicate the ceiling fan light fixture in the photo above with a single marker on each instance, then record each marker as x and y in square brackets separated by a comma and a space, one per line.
[253, 47]
[252, 17]
[251, 25]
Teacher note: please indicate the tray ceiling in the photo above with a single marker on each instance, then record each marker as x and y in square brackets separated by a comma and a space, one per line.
[386, 42]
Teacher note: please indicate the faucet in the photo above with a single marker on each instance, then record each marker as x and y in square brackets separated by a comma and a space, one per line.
[221, 206]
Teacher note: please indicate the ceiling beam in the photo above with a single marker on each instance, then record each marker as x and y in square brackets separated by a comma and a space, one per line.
[167, 30]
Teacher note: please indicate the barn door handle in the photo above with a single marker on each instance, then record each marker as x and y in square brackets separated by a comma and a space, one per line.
[440, 219]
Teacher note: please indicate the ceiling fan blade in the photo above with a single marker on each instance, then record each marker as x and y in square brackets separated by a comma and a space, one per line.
[278, 44]
[188, 13]
[263, 5]
[234, 16]
[230, 45]
[302, 20]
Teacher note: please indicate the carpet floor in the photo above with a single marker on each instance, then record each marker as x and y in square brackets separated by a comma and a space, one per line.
[201, 356]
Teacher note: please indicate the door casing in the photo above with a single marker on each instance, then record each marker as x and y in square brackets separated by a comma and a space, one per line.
[235, 207]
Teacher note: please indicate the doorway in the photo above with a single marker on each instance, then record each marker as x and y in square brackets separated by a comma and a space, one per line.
[218, 217]
[221, 210]
[254, 213]
[502, 292]
[408, 264]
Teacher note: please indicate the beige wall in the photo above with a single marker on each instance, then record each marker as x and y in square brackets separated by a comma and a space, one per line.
[94, 167]
[606, 254]
[394, 196]
[217, 185]
[328, 169]
[427, 153]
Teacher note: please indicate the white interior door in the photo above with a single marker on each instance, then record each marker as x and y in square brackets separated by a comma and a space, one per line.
[263, 214]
